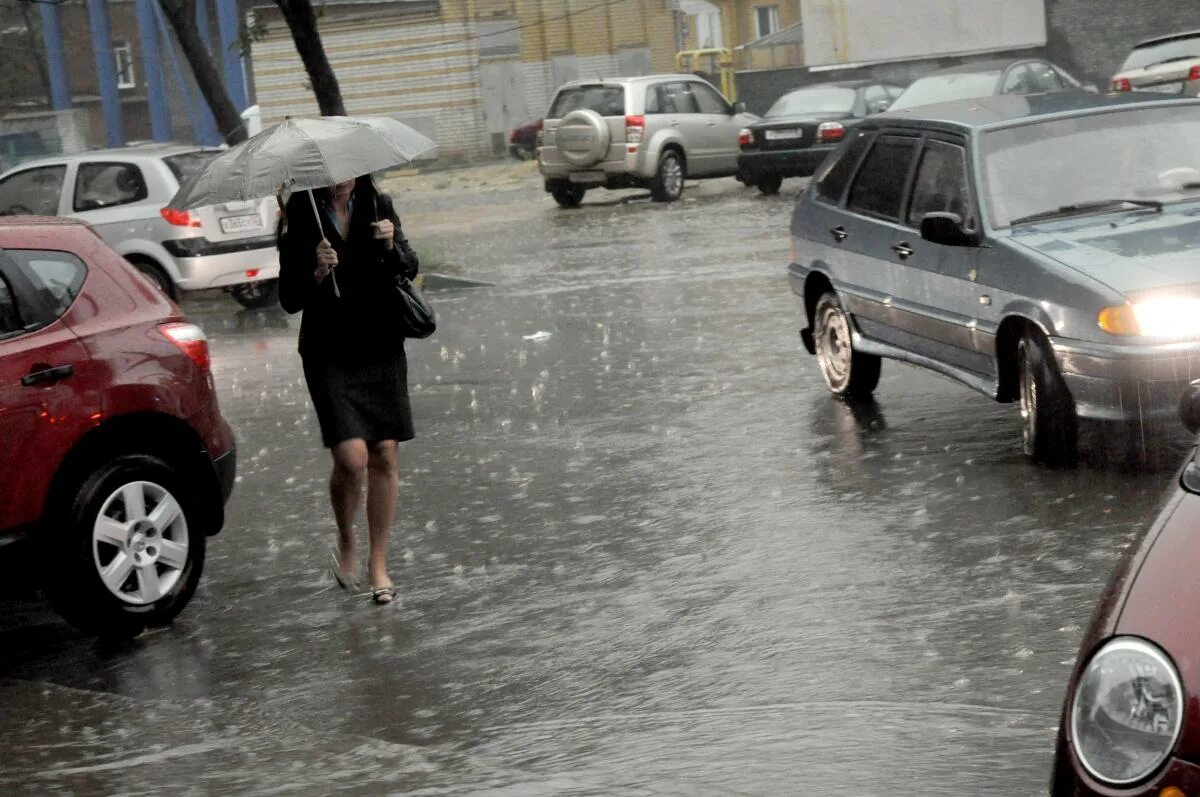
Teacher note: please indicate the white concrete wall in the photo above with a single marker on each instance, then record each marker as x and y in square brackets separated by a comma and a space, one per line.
[865, 31]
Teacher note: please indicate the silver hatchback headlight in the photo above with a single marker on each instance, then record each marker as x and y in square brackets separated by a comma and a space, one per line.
[1127, 712]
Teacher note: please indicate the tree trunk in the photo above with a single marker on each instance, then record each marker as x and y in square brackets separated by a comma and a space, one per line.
[182, 16]
[35, 49]
[302, 21]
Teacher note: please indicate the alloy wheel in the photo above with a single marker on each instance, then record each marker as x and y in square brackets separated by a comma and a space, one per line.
[140, 542]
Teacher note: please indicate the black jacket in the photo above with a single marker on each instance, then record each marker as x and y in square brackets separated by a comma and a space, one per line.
[358, 323]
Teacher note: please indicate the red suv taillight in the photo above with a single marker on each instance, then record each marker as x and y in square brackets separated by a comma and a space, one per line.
[180, 218]
[1194, 73]
[1121, 84]
[635, 128]
[191, 341]
[829, 132]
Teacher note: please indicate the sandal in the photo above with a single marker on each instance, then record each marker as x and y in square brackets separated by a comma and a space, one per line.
[348, 583]
[383, 595]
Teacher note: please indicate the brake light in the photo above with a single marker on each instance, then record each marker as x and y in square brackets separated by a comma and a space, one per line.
[180, 218]
[1121, 84]
[1194, 73]
[829, 132]
[635, 128]
[746, 137]
[191, 341]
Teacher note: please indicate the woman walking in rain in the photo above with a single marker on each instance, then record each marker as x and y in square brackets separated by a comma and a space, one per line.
[338, 263]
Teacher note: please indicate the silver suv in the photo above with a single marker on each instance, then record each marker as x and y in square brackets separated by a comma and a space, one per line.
[639, 132]
[123, 194]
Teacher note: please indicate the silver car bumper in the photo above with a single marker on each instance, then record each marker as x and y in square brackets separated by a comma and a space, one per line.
[1131, 382]
[219, 269]
[553, 167]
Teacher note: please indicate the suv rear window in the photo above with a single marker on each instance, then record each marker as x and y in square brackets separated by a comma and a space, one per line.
[57, 276]
[604, 100]
[189, 163]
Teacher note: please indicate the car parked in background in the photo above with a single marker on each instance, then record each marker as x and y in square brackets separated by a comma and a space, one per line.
[1131, 717]
[1039, 249]
[523, 140]
[1167, 64]
[803, 126]
[642, 132]
[123, 194]
[986, 79]
[116, 461]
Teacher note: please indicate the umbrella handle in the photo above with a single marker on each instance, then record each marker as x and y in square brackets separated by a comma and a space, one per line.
[321, 227]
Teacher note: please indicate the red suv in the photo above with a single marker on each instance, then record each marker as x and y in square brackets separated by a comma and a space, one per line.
[115, 462]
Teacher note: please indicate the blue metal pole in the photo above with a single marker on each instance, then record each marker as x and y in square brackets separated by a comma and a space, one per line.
[202, 24]
[160, 114]
[60, 90]
[106, 72]
[228, 27]
[189, 100]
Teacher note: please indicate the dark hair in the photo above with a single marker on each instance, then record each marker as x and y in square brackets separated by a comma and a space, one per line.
[298, 203]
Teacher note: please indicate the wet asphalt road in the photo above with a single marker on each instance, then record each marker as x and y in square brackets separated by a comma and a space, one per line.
[642, 554]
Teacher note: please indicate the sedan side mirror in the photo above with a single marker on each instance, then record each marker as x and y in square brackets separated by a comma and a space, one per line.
[739, 108]
[947, 229]
[1189, 407]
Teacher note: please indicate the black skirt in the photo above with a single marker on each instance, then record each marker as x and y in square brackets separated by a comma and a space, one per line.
[360, 397]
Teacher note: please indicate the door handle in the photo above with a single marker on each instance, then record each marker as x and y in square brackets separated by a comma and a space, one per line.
[47, 375]
[675, 124]
[839, 233]
[712, 124]
[903, 249]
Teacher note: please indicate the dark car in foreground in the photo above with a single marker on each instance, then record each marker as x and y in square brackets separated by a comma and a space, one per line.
[1131, 717]
[987, 79]
[1039, 249]
[115, 460]
[803, 127]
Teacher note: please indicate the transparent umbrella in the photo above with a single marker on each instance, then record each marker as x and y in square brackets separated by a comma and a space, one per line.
[303, 154]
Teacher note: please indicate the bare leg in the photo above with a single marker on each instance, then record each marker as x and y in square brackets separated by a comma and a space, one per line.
[383, 478]
[345, 490]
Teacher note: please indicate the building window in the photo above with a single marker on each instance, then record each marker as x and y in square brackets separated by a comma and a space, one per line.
[708, 30]
[124, 55]
[767, 19]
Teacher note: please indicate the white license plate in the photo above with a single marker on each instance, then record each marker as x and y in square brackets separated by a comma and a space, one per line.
[232, 224]
[775, 135]
[586, 177]
[1164, 88]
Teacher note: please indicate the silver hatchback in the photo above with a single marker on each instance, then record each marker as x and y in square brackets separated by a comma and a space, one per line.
[123, 194]
[639, 132]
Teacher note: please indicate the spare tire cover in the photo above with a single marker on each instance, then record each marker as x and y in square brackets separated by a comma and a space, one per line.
[583, 138]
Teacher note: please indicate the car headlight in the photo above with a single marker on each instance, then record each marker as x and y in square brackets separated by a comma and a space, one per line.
[1127, 711]
[1164, 316]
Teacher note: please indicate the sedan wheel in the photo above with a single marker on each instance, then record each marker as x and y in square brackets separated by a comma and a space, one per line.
[847, 372]
[1049, 425]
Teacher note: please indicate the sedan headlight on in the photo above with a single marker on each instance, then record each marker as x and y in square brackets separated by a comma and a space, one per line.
[1164, 316]
[1127, 711]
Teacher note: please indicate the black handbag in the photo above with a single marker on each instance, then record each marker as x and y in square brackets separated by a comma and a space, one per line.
[414, 314]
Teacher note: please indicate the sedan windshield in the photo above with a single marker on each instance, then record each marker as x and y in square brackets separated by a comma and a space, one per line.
[1133, 157]
[827, 99]
[944, 88]
[1173, 50]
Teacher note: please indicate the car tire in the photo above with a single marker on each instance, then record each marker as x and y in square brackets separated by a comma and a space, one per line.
[157, 275]
[667, 185]
[122, 554]
[848, 373]
[256, 295]
[769, 185]
[568, 195]
[1049, 425]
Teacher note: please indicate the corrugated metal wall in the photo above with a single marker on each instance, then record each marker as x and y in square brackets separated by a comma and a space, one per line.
[423, 70]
